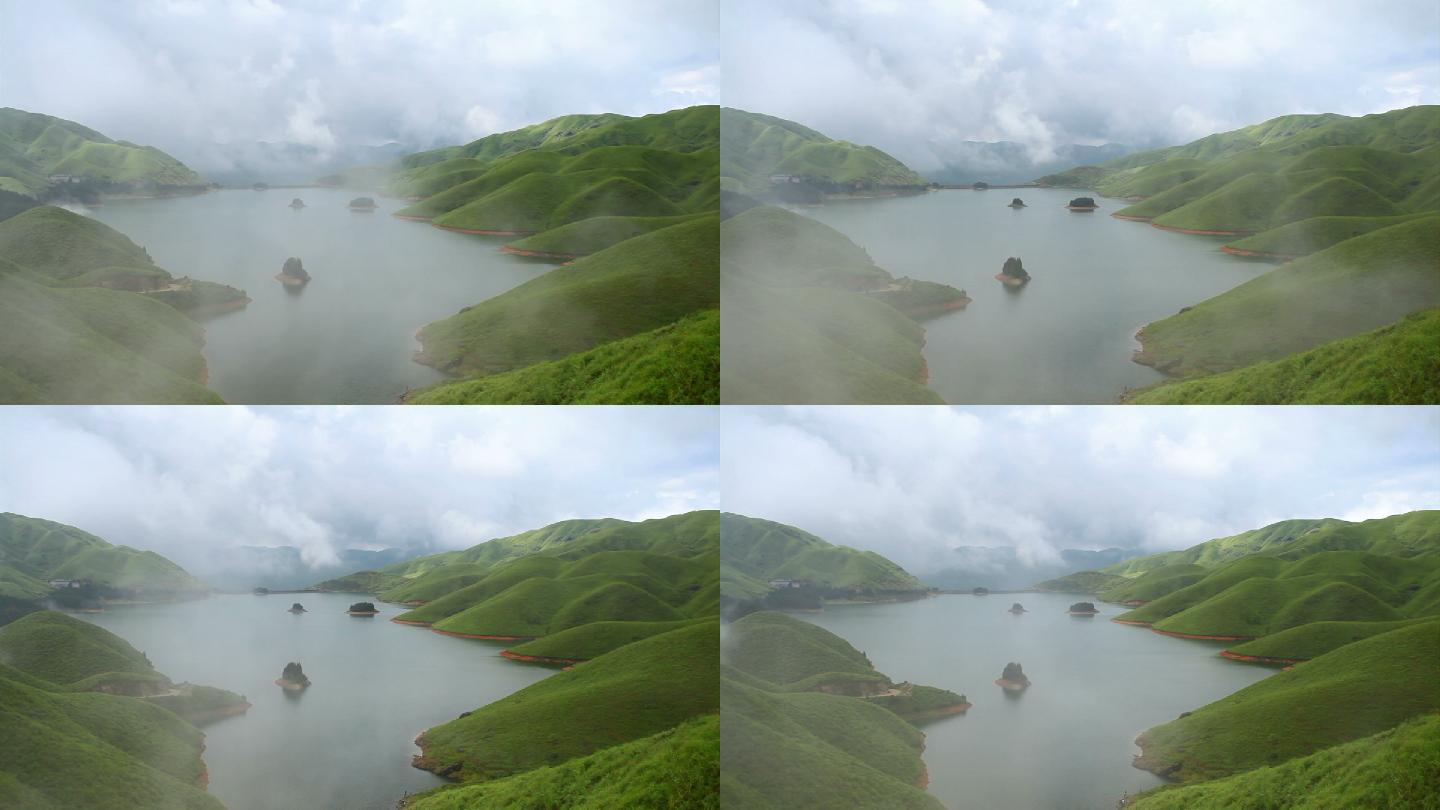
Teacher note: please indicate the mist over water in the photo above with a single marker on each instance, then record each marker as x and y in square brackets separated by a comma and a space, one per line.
[347, 336]
[1067, 741]
[1068, 335]
[345, 742]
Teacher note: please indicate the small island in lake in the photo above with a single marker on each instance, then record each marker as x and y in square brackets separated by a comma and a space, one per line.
[1083, 609]
[1013, 274]
[1082, 204]
[1017, 608]
[297, 608]
[293, 677]
[293, 273]
[1013, 678]
[980, 186]
[1017, 203]
[363, 204]
[297, 203]
[363, 609]
[981, 591]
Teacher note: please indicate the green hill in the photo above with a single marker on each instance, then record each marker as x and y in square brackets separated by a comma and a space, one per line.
[1357, 690]
[764, 550]
[797, 656]
[755, 148]
[47, 551]
[1395, 768]
[1397, 364]
[808, 317]
[1315, 639]
[676, 768]
[1258, 595]
[675, 364]
[1313, 235]
[636, 691]
[631, 288]
[596, 638]
[82, 657]
[592, 235]
[61, 749]
[40, 152]
[1356, 286]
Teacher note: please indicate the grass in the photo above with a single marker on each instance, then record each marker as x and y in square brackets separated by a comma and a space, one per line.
[1259, 595]
[1316, 638]
[1354, 287]
[636, 691]
[63, 650]
[678, 363]
[787, 652]
[539, 606]
[754, 147]
[586, 236]
[595, 639]
[46, 550]
[1306, 236]
[679, 767]
[33, 147]
[634, 287]
[62, 750]
[1398, 364]
[1357, 690]
[780, 750]
[1399, 767]
[1154, 583]
[766, 550]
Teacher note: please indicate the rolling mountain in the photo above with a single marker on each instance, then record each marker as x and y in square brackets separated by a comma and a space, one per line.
[41, 155]
[35, 552]
[762, 155]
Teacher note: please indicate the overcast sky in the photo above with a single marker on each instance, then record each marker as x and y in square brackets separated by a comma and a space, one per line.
[174, 73]
[186, 481]
[911, 483]
[902, 73]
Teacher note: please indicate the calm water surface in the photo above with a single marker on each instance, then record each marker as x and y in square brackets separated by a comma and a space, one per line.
[343, 744]
[1064, 743]
[1067, 336]
[348, 336]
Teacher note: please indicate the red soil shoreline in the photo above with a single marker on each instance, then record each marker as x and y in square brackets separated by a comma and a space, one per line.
[1129, 218]
[1200, 231]
[412, 624]
[410, 218]
[1201, 637]
[1257, 254]
[481, 231]
[539, 254]
[1260, 659]
[539, 659]
[1132, 623]
[484, 638]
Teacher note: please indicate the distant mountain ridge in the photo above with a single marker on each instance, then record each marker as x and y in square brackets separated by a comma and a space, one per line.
[1002, 567]
[762, 154]
[35, 552]
[1008, 162]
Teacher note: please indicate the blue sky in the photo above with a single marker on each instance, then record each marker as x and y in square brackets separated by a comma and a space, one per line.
[186, 481]
[901, 74]
[173, 73]
[912, 483]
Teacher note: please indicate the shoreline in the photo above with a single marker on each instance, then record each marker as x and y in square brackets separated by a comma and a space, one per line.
[540, 254]
[481, 231]
[1258, 254]
[1261, 659]
[434, 629]
[541, 659]
[1201, 637]
[1200, 231]
[412, 624]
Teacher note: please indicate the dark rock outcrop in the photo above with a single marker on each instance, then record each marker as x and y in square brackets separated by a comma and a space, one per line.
[297, 203]
[363, 204]
[1017, 203]
[362, 609]
[1017, 608]
[1083, 609]
[293, 677]
[293, 273]
[1013, 678]
[297, 608]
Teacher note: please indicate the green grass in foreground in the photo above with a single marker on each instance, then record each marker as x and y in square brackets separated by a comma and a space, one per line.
[1315, 234]
[797, 655]
[636, 286]
[1357, 286]
[676, 364]
[595, 639]
[1357, 690]
[638, 690]
[677, 768]
[64, 650]
[1397, 364]
[594, 234]
[1398, 768]
[63, 750]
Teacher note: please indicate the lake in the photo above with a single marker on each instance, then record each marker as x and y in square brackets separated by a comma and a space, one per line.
[347, 336]
[1067, 741]
[345, 742]
[1067, 336]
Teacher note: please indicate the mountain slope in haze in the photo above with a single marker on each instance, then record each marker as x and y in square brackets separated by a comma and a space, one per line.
[755, 551]
[39, 153]
[808, 317]
[43, 551]
[629, 205]
[1007, 162]
[763, 155]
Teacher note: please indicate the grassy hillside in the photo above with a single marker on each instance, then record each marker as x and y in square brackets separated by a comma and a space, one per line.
[636, 691]
[795, 655]
[1315, 639]
[755, 147]
[1313, 235]
[1356, 286]
[634, 287]
[44, 550]
[676, 768]
[633, 200]
[808, 317]
[34, 148]
[1397, 364]
[675, 364]
[82, 657]
[1395, 768]
[1357, 690]
[595, 639]
[60, 750]
[765, 550]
